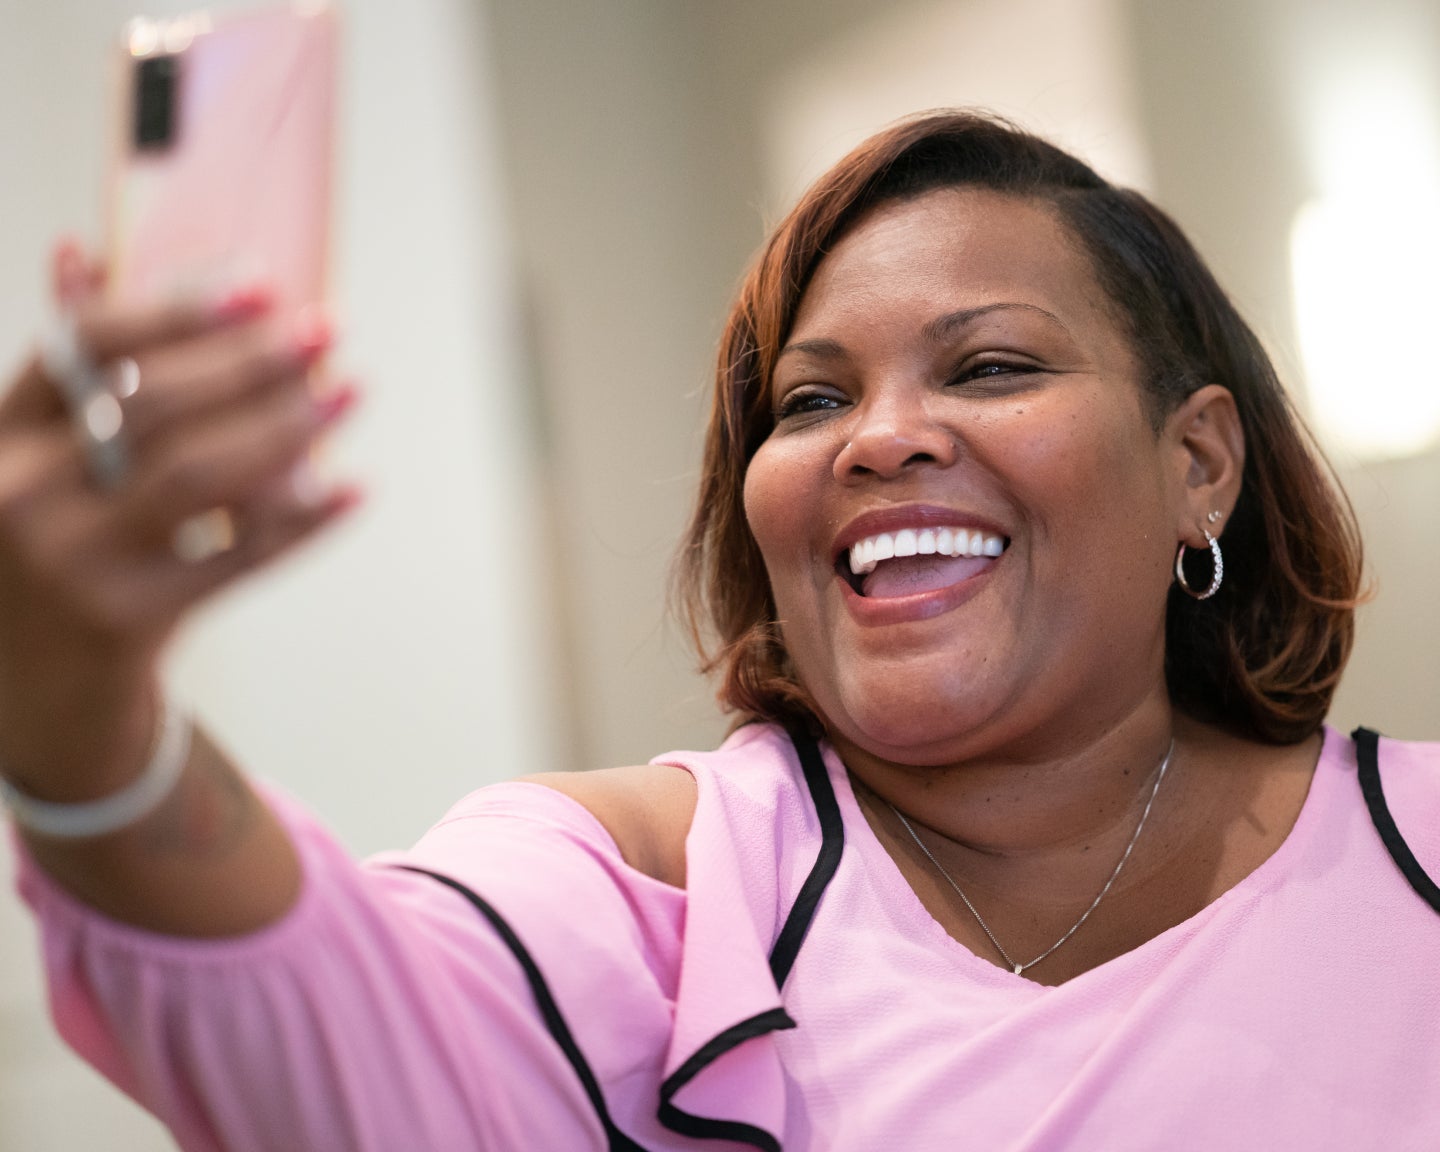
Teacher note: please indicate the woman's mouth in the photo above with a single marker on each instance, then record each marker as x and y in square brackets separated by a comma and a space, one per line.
[912, 561]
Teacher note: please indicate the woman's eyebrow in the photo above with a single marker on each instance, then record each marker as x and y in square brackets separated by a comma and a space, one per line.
[821, 349]
[936, 331]
[943, 327]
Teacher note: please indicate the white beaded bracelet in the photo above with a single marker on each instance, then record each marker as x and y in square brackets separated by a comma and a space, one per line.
[120, 809]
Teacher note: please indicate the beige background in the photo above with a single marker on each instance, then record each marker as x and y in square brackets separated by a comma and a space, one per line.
[543, 210]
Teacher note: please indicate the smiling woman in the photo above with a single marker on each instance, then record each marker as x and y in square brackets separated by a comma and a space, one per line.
[1030, 834]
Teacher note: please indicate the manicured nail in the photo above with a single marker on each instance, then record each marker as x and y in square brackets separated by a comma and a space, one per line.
[335, 402]
[243, 304]
[314, 334]
[309, 490]
[346, 498]
[68, 272]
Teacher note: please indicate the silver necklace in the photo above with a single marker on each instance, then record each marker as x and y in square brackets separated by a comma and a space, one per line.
[1015, 966]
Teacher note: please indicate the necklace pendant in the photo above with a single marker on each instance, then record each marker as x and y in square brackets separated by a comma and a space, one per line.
[1019, 968]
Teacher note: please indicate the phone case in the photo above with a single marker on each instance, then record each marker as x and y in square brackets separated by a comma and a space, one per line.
[222, 158]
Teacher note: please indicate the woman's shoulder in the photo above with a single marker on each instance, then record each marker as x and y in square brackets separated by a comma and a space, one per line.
[648, 810]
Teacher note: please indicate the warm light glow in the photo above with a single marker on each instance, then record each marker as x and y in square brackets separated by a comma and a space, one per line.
[143, 36]
[1365, 254]
[1367, 303]
[177, 35]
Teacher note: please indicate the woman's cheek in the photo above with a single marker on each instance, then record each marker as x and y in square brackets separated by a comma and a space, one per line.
[770, 499]
[782, 512]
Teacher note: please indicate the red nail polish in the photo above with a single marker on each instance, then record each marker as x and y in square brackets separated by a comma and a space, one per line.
[243, 304]
[331, 405]
[314, 333]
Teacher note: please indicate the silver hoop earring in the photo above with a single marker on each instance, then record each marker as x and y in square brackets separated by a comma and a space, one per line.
[1217, 574]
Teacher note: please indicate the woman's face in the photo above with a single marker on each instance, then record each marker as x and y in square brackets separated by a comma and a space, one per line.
[956, 388]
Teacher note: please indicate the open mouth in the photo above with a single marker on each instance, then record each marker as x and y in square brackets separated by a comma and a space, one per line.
[889, 565]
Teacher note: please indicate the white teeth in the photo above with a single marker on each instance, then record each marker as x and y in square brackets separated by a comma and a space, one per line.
[866, 554]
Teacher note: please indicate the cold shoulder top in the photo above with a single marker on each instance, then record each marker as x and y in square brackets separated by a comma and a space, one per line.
[511, 984]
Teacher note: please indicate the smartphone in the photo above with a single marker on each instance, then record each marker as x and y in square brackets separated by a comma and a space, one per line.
[222, 155]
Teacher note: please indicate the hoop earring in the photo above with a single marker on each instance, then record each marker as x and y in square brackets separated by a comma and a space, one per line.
[1217, 574]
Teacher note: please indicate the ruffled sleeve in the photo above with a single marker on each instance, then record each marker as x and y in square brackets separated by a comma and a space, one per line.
[385, 1012]
[380, 1013]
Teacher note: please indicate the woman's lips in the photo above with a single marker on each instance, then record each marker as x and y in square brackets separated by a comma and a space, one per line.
[914, 561]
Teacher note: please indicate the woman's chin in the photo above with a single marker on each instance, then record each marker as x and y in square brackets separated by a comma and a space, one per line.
[914, 730]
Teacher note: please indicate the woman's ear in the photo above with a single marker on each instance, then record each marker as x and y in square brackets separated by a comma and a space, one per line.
[1209, 452]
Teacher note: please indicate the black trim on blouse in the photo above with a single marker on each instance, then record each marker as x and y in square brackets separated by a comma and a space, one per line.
[782, 959]
[705, 1127]
[549, 1011]
[792, 936]
[832, 845]
[1367, 756]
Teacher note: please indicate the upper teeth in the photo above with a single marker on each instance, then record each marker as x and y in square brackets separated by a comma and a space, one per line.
[866, 553]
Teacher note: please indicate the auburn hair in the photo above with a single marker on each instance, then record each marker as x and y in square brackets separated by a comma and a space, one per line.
[1261, 658]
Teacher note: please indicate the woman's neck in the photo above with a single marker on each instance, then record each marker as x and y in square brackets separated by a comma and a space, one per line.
[1032, 842]
[1031, 798]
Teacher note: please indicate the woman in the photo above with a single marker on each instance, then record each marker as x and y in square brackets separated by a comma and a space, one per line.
[1072, 863]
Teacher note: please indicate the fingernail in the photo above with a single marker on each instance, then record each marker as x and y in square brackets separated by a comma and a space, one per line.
[334, 403]
[243, 304]
[314, 333]
[346, 498]
[309, 490]
[312, 491]
[67, 272]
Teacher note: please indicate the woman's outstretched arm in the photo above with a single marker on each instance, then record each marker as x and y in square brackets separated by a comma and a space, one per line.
[217, 420]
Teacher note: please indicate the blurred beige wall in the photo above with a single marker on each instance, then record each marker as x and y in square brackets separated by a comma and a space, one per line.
[1243, 99]
[648, 144]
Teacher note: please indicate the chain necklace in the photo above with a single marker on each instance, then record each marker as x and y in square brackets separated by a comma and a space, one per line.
[1015, 966]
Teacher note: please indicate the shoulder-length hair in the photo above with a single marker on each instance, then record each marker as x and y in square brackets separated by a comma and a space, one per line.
[1261, 658]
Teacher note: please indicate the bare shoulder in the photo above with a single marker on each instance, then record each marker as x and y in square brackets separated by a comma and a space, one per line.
[646, 808]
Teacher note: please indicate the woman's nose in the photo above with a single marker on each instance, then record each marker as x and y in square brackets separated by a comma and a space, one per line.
[890, 435]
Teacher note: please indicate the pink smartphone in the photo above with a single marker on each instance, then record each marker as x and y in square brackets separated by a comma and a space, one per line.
[220, 171]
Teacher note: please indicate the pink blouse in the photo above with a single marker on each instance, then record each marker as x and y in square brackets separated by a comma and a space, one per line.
[386, 1012]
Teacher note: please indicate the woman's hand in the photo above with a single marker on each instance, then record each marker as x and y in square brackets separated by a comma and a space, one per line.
[218, 432]
[221, 410]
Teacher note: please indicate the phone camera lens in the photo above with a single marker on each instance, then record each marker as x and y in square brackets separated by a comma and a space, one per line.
[156, 86]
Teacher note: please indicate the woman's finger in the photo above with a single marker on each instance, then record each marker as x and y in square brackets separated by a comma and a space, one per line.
[108, 331]
[117, 563]
[75, 276]
[215, 374]
[33, 398]
[148, 595]
[296, 509]
[228, 460]
[41, 473]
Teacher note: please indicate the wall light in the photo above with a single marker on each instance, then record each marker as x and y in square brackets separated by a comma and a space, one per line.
[1365, 254]
[1366, 275]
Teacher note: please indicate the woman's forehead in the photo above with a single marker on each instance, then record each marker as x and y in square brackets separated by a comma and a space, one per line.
[955, 248]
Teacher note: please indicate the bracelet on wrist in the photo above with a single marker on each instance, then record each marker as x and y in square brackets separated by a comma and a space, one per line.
[120, 809]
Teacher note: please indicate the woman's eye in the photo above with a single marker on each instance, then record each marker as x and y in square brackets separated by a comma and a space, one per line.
[1000, 372]
[802, 401]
